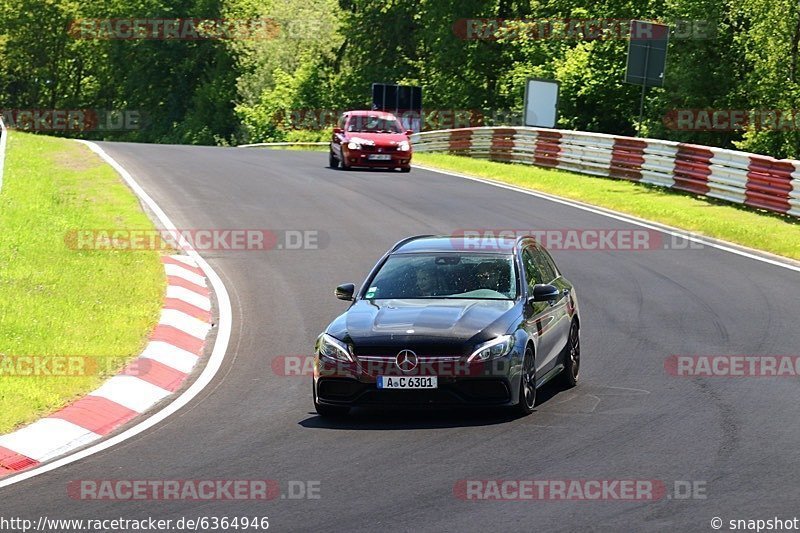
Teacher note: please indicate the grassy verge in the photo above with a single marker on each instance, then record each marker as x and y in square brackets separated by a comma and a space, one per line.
[55, 301]
[756, 229]
[302, 148]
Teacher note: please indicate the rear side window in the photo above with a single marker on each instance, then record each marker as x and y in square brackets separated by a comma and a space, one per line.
[532, 273]
[546, 271]
[552, 263]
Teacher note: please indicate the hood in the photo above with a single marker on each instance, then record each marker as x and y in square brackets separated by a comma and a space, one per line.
[424, 321]
[380, 139]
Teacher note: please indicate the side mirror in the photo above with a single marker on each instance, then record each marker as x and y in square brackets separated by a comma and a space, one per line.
[544, 293]
[345, 291]
[409, 132]
[338, 130]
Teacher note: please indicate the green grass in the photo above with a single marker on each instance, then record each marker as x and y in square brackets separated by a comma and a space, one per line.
[59, 301]
[758, 229]
[295, 147]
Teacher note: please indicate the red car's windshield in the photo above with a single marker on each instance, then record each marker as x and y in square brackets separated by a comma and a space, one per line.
[373, 124]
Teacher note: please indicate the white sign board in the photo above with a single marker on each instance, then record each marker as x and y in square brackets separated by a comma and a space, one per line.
[541, 103]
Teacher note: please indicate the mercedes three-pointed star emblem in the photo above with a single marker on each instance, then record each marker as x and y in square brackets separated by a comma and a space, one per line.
[406, 361]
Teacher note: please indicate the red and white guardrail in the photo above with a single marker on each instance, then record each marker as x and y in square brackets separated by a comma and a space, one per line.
[753, 180]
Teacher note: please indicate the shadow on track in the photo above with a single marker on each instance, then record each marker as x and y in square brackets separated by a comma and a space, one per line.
[419, 417]
[370, 170]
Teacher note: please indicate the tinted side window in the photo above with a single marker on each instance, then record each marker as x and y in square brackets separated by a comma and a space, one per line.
[551, 263]
[544, 267]
[532, 273]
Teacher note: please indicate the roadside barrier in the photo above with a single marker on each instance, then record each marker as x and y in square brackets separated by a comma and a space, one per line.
[753, 180]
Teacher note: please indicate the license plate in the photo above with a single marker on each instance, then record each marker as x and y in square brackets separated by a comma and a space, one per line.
[379, 157]
[407, 382]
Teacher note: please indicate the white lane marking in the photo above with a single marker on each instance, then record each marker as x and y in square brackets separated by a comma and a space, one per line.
[669, 230]
[186, 323]
[214, 361]
[170, 355]
[47, 438]
[189, 296]
[131, 392]
[188, 275]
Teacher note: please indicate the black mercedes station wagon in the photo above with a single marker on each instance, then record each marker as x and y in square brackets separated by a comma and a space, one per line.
[451, 320]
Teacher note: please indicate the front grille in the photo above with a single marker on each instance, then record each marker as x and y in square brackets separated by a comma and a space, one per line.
[379, 149]
[421, 349]
[422, 360]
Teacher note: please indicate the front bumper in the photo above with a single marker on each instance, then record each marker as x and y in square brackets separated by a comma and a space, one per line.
[354, 384]
[351, 392]
[361, 158]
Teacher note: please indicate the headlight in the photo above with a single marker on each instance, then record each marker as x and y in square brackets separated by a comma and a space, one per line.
[492, 349]
[403, 146]
[332, 348]
[356, 143]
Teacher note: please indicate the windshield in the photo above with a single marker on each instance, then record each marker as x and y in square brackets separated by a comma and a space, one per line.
[450, 275]
[373, 124]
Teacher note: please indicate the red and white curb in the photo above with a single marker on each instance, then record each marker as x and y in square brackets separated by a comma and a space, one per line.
[175, 347]
[212, 366]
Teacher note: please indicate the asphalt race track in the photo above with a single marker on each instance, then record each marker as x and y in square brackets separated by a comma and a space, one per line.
[739, 438]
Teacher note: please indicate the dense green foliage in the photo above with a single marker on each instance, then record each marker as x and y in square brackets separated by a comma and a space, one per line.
[326, 54]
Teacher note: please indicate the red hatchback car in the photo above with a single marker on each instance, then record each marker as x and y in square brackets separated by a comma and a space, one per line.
[370, 139]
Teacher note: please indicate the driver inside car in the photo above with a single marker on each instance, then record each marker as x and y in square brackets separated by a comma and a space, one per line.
[488, 276]
[427, 282]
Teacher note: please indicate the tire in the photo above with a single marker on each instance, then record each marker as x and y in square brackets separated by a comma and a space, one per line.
[527, 385]
[332, 161]
[328, 411]
[572, 357]
[405, 169]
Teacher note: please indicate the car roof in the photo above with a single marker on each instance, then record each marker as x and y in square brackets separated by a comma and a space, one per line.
[455, 243]
[365, 112]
